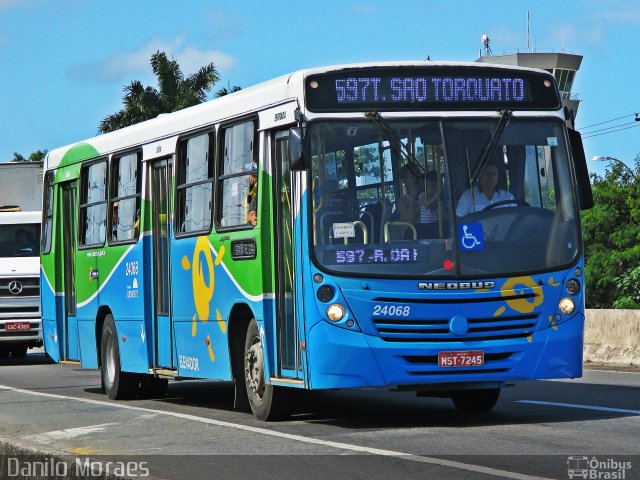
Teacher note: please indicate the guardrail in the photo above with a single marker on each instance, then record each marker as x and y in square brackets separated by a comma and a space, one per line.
[612, 337]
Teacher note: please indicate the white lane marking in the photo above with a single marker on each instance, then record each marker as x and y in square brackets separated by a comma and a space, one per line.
[289, 436]
[68, 433]
[583, 407]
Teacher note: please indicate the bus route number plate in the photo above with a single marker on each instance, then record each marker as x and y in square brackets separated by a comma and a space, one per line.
[469, 358]
[12, 326]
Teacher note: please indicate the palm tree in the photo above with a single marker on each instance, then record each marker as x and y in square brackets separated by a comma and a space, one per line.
[174, 93]
[227, 90]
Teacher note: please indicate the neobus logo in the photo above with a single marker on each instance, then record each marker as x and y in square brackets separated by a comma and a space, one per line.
[455, 285]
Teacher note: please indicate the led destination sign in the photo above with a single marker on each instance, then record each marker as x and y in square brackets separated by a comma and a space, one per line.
[427, 88]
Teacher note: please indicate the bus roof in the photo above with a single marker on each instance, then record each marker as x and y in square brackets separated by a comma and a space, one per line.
[244, 102]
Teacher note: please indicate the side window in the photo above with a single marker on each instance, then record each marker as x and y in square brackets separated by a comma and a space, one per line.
[194, 184]
[539, 183]
[238, 179]
[124, 198]
[47, 223]
[369, 173]
[93, 204]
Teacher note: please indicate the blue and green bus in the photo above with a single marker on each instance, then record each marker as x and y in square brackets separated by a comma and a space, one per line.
[305, 234]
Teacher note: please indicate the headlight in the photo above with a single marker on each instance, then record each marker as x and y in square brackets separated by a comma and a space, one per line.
[335, 312]
[567, 306]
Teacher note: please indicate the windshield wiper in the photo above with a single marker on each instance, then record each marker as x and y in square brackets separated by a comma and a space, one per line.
[385, 131]
[487, 151]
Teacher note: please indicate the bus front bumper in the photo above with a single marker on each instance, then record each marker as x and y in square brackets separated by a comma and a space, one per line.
[339, 358]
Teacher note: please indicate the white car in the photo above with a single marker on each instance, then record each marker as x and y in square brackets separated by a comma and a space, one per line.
[20, 318]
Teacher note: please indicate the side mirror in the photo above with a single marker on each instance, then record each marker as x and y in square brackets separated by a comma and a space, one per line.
[585, 196]
[296, 161]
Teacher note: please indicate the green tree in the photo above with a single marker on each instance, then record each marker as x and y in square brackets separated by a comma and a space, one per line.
[612, 240]
[37, 156]
[174, 93]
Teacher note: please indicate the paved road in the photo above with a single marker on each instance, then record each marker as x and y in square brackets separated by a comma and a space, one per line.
[193, 432]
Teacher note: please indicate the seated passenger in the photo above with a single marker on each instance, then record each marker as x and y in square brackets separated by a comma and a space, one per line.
[429, 203]
[407, 204]
[484, 194]
[429, 199]
[252, 201]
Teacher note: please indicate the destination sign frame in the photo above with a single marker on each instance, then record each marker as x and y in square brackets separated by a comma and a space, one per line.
[431, 88]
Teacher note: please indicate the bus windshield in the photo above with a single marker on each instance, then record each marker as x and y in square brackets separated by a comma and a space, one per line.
[460, 197]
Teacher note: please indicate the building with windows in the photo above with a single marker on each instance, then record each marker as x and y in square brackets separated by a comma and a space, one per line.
[563, 66]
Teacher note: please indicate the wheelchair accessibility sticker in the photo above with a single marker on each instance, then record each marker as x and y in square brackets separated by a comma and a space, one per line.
[470, 237]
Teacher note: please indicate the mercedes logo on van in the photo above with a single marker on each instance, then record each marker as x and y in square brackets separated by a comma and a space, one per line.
[15, 287]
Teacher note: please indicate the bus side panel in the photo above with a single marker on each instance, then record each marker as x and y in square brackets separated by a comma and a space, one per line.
[199, 284]
[73, 340]
[124, 294]
[133, 345]
[87, 343]
[117, 286]
[205, 292]
[51, 310]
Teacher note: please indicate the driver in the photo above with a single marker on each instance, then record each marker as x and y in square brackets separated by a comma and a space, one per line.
[484, 194]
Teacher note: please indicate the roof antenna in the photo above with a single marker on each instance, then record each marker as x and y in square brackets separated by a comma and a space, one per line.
[528, 32]
[487, 47]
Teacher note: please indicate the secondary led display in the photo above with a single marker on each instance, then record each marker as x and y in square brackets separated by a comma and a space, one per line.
[360, 256]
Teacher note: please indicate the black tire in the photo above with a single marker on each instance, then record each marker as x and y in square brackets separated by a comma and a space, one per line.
[475, 400]
[267, 401]
[4, 352]
[118, 385]
[152, 387]
[19, 351]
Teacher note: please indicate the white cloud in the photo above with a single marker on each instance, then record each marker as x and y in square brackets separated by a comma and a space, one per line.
[136, 64]
[191, 59]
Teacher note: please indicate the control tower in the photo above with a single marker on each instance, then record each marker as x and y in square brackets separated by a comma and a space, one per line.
[563, 66]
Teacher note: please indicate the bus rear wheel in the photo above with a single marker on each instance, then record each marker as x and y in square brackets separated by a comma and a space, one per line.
[481, 400]
[267, 401]
[118, 385]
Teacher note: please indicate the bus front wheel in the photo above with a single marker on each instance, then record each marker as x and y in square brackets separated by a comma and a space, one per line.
[267, 401]
[118, 385]
[475, 400]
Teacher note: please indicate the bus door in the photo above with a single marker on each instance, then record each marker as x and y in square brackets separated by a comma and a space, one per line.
[160, 233]
[69, 209]
[288, 281]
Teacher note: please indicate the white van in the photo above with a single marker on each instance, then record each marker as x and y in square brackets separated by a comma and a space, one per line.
[20, 320]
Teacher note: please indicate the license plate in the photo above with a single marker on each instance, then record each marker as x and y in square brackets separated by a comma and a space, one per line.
[470, 358]
[17, 326]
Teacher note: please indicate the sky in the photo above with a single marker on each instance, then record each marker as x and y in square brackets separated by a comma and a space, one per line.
[65, 62]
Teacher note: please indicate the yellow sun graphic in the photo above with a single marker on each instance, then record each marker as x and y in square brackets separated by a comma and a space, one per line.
[203, 292]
